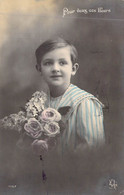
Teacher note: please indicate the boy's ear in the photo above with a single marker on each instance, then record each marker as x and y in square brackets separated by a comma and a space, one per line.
[75, 68]
[38, 67]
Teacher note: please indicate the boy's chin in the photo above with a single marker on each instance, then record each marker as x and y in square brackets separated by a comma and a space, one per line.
[57, 84]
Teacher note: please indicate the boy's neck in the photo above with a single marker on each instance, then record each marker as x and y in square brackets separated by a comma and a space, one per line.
[57, 90]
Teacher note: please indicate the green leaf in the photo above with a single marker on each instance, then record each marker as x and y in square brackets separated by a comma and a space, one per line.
[64, 110]
[62, 126]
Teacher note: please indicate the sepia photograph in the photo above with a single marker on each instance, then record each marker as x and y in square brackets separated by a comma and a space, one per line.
[61, 97]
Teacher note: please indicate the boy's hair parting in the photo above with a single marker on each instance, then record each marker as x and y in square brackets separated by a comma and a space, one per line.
[52, 44]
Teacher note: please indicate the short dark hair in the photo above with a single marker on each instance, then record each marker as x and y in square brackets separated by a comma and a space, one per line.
[52, 44]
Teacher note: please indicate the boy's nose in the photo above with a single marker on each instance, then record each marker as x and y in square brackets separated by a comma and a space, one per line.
[56, 67]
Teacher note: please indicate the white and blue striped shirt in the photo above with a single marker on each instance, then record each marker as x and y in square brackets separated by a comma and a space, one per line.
[85, 120]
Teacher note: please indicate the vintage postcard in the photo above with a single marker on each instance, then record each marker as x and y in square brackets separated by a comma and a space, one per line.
[68, 91]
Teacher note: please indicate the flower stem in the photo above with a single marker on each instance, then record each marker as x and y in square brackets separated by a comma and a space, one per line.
[44, 177]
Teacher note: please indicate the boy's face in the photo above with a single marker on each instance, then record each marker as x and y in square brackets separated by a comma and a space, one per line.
[57, 68]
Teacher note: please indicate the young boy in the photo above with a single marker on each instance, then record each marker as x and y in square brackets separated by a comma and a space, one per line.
[57, 63]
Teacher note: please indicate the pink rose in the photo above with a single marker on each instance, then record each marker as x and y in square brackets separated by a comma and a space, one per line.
[50, 114]
[51, 129]
[33, 128]
[40, 146]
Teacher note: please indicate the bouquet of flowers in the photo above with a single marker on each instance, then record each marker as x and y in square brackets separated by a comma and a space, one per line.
[38, 126]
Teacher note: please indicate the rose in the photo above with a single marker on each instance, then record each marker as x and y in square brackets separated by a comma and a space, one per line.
[51, 129]
[33, 128]
[39, 146]
[50, 114]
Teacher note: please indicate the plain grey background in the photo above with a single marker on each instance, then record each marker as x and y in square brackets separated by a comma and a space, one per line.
[99, 39]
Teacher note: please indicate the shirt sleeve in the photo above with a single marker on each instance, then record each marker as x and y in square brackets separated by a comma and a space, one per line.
[90, 122]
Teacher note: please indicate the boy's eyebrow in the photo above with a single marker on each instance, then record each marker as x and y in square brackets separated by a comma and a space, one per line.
[48, 59]
[62, 59]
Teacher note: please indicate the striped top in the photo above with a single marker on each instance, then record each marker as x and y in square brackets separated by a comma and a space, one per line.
[84, 122]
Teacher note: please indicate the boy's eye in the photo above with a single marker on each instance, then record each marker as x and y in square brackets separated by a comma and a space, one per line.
[62, 62]
[48, 63]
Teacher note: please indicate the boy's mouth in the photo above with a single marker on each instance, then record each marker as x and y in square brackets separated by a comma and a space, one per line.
[56, 76]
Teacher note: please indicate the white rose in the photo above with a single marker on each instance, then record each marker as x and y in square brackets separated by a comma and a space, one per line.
[50, 114]
[51, 129]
